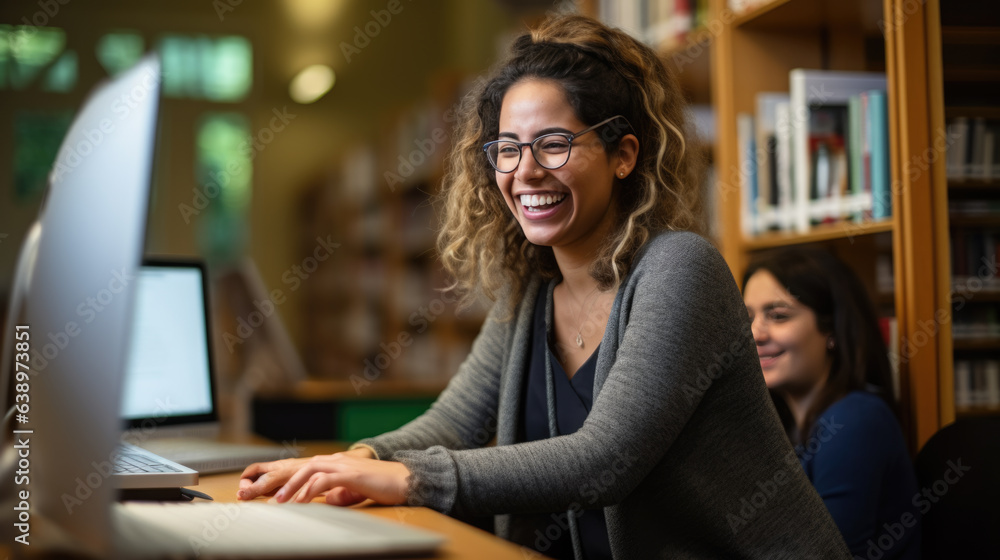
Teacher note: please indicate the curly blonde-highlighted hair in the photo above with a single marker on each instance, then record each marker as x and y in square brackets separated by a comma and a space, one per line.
[604, 72]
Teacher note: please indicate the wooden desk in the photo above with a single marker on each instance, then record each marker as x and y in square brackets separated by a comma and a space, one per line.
[464, 541]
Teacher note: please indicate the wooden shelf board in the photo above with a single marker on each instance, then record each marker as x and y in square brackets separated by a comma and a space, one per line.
[977, 410]
[972, 111]
[984, 185]
[972, 74]
[992, 343]
[758, 13]
[971, 221]
[843, 230]
[800, 15]
[967, 297]
[967, 35]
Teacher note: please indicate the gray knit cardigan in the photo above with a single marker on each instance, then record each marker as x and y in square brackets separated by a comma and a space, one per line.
[683, 448]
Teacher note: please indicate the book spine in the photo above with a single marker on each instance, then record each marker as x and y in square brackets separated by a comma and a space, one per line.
[800, 168]
[878, 125]
[855, 154]
[975, 165]
[783, 136]
[747, 173]
[866, 157]
[963, 383]
[978, 389]
[992, 374]
[989, 145]
[956, 156]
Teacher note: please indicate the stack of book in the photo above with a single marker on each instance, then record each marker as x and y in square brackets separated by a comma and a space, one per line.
[819, 154]
[977, 383]
[973, 150]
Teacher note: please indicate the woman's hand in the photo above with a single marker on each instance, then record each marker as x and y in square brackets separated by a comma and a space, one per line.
[347, 480]
[264, 479]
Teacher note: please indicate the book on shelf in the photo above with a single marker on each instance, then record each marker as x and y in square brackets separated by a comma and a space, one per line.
[890, 334]
[747, 146]
[783, 195]
[885, 278]
[876, 134]
[974, 257]
[977, 383]
[976, 323]
[822, 153]
[819, 103]
[973, 208]
[766, 155]
[661, 23]
[973, 151]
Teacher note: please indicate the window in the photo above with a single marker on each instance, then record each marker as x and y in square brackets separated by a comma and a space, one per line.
[215, 69]
[28, 52]
[224, 172]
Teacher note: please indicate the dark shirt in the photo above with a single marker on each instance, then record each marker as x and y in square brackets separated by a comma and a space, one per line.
[549, 533]
[858, 462]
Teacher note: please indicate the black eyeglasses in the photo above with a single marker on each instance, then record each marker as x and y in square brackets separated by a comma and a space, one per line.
[551, 151]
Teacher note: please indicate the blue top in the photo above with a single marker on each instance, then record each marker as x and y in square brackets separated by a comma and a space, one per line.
[574, 398]
[858, 462]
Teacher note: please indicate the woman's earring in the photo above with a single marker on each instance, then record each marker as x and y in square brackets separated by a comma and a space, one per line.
[621, 174]
[830, 343]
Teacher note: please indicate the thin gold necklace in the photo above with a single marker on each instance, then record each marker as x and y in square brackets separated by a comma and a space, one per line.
[579, 331]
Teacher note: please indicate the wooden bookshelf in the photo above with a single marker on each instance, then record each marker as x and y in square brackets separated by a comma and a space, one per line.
[387, 311]
[967, 46]
[754, 52]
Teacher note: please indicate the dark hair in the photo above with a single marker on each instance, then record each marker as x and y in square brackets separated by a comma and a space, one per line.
[603, 72]
[860, 361]
[593, 88]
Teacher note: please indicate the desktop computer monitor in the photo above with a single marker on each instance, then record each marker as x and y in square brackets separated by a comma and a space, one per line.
[73, 294]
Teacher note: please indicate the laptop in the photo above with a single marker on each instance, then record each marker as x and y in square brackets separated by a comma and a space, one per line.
[170, 401]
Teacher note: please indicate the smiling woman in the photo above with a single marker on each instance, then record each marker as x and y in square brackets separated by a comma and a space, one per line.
[823, 358]
[616, 372]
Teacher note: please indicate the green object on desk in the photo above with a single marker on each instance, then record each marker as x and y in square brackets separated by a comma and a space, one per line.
[370, 417]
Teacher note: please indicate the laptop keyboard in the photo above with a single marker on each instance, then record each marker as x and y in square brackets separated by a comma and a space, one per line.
[137, 463]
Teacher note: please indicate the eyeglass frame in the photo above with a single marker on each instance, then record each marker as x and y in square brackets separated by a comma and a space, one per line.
[569, 141]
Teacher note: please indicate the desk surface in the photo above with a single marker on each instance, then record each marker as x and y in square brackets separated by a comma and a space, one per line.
[464, 541]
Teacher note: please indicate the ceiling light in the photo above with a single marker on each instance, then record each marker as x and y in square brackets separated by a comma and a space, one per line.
[312, 83]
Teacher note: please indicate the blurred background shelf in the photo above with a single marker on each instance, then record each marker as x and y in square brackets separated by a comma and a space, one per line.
[817, 233]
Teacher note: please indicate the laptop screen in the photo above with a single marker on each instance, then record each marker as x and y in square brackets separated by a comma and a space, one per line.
[168, 373]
